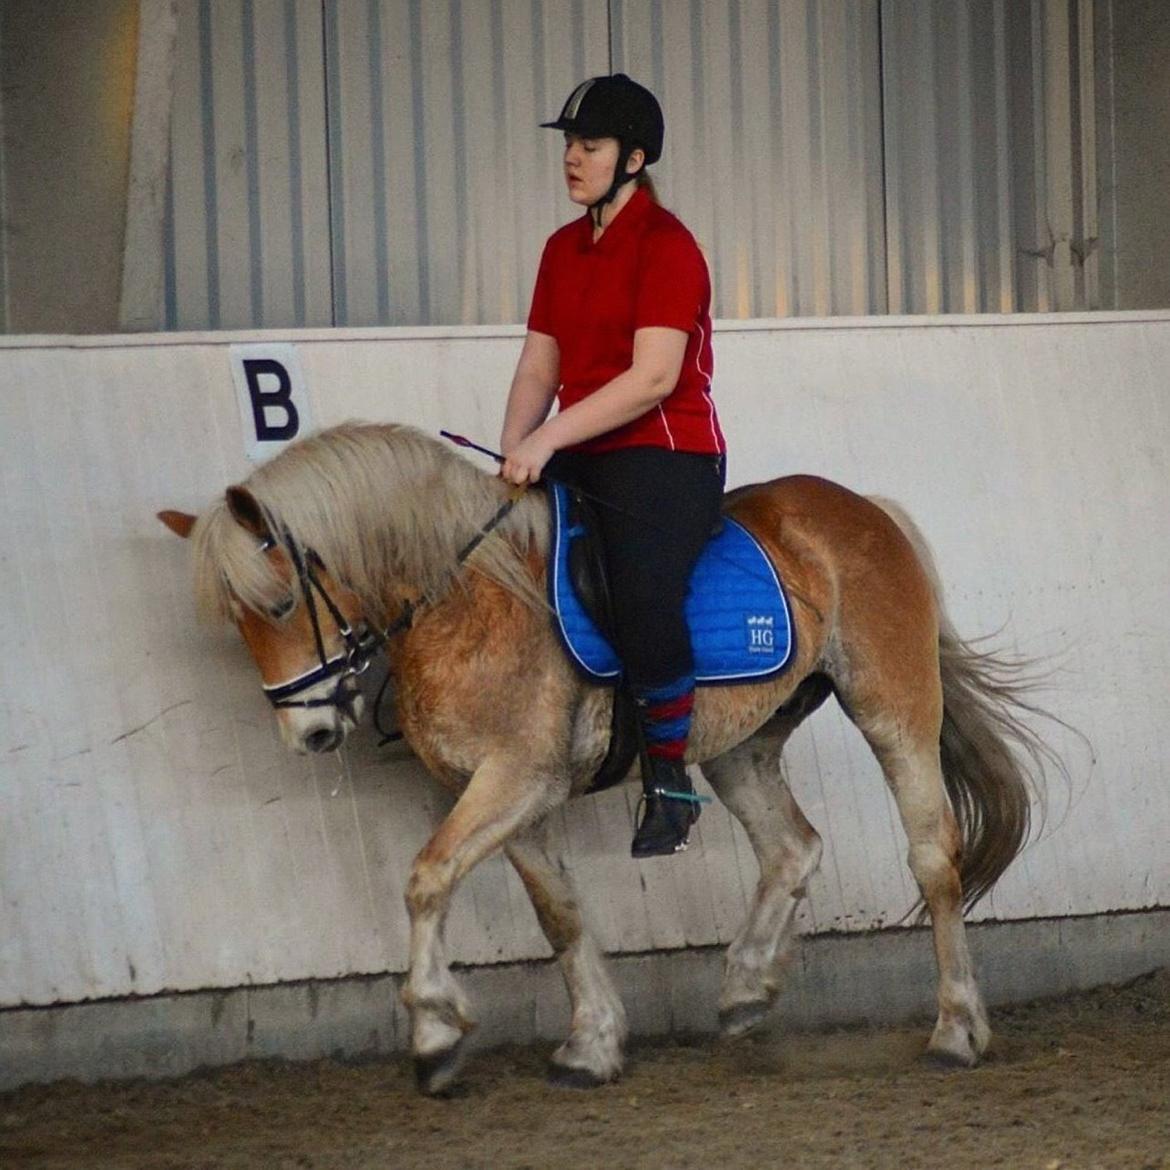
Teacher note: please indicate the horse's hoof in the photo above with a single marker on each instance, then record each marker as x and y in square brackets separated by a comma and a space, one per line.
[435, 1072]
[952, 1056]
[565, 1076]
[959, 1042]
[742, 1019]
[945, 1058]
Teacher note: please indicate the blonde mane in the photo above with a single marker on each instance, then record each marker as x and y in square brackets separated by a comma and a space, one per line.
[385, 507]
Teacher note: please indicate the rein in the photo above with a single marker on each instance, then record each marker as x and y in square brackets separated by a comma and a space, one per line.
[362, 642]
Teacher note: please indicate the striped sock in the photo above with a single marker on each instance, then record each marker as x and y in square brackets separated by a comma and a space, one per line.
[665, 715]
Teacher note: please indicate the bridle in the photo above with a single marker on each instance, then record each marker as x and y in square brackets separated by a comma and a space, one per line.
[360, 642]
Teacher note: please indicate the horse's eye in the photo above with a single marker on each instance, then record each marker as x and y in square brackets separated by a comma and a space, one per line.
[282, 608]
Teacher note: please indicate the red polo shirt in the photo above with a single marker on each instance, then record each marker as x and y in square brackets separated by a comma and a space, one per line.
[646, 270]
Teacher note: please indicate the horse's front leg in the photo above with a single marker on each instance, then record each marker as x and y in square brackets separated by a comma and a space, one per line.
[592, 1054]
[504, 796]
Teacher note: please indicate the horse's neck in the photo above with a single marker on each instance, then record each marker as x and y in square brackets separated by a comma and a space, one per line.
[476, 621]
[432, 563]
[465, 508]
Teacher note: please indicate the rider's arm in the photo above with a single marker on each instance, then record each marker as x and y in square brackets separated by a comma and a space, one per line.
[534, 386]
[653, 374]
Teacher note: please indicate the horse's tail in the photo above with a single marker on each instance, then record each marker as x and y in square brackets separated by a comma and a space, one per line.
[992, 761]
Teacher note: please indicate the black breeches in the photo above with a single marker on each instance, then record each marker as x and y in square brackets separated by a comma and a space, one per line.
[659, 509]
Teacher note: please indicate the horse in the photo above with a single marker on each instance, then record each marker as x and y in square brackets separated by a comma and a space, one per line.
[369, 536]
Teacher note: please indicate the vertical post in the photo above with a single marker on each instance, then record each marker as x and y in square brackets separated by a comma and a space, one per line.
[1002, 298]
[1090, 232]
[1058, 152]
[141, 302]
[3, 198]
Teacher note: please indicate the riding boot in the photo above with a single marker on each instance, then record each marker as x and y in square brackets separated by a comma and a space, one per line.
[670, 808]
[670, 803]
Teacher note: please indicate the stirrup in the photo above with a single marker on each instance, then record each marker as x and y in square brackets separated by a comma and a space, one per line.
[670, 794]
[658, 833]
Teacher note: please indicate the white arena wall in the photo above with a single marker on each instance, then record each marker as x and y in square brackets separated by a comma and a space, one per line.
[156, 838]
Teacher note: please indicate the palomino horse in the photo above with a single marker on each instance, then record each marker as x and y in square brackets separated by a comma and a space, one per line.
[364, 535]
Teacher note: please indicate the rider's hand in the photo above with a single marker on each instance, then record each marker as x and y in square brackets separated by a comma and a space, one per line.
[524, 463]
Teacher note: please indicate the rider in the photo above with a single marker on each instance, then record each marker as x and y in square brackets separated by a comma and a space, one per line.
[620, 333]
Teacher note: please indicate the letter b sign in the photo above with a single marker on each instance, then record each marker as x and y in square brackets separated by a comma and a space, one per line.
[270, 389]
[274, 407]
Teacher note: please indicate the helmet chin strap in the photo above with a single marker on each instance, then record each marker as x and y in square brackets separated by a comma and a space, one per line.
[620, 177]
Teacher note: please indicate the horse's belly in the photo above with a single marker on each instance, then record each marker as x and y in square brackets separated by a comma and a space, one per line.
[590, 736]
[724, 717]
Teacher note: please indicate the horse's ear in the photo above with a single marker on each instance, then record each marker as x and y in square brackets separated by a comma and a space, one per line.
[247, 513]
[180, 523]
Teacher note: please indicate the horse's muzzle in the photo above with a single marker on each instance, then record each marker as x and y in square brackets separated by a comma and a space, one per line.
[324, 739]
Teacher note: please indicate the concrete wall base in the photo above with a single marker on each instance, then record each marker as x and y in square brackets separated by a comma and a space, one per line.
[882, 978]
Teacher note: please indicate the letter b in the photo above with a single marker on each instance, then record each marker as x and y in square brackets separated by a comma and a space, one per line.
[265, 398]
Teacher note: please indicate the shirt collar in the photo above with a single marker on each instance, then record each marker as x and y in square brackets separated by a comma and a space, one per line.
[625, 222]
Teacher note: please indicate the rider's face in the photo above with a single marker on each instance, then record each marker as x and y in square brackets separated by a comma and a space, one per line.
[589, 167]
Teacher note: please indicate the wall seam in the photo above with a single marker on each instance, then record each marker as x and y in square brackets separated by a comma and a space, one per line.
[3, 192]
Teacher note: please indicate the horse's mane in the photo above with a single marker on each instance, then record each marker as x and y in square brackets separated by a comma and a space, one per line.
[381, 505]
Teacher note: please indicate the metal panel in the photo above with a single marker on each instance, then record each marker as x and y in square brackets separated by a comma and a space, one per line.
[779, 173]
[773, 146]
[443, 186]
[990, 155]
[419, 189]
[3, 212]
[247, 233]
[3, 192]
[157, 836]
[948, 156]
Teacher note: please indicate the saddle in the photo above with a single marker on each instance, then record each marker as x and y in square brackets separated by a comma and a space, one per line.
[736, 609]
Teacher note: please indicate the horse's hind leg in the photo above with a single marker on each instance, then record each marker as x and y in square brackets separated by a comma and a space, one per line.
[748, 781]
[962, 1032]
[592, 1054]
[906, 743]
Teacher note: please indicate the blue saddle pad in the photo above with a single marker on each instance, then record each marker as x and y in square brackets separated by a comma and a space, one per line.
[741, 629]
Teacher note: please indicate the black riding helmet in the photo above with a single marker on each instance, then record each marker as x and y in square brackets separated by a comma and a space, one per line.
[614, 107]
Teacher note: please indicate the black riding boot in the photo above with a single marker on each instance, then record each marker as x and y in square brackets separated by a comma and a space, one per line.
[670, 807]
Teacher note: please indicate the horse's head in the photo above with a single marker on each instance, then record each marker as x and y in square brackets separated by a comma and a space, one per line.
[301, 624]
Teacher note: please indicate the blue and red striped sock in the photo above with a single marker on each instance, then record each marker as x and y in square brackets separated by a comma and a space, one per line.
[665, 715]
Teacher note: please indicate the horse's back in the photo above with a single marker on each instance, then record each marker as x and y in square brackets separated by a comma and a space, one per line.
[826, 503]
[864, 587]
[814, 524]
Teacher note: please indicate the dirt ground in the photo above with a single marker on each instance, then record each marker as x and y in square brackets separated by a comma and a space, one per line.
[1073, 1084]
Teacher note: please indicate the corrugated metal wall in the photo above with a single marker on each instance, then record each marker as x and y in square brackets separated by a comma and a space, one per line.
[247, 234]
[156, 835]
[443, 188]
[3, 199]
[949, 141]
[773, 145]
[378, 161]
[990, 155]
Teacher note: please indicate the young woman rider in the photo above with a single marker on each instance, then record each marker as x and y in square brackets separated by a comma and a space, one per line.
[620, 333]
